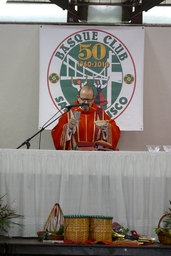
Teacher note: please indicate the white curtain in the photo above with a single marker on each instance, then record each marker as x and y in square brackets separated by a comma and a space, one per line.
[132, 187]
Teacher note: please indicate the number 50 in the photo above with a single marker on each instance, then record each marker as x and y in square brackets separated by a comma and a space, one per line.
[98, 51]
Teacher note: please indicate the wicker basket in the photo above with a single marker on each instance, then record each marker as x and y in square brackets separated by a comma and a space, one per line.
[76, 228]
[101, 228]
[162, 236]
[55, 219]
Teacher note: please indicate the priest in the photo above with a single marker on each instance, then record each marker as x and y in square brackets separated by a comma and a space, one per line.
[67, 133]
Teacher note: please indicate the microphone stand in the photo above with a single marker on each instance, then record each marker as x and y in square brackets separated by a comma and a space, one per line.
[27, 142]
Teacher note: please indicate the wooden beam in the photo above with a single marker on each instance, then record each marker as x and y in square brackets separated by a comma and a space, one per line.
[76, 10]
[61, 3]
[145, 6]
[148, 4]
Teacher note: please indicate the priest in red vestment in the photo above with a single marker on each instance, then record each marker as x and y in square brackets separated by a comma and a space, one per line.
[66, 134]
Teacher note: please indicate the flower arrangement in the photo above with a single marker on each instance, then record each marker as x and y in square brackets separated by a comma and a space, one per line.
[119, 228]
[167, 224]
[61, 229]
[7, 214]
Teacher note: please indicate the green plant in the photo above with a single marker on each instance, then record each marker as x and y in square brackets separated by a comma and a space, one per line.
[7, 214]
[167, 224]
[61, 229]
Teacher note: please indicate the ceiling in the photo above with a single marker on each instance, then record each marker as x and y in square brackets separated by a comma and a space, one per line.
[78, 9]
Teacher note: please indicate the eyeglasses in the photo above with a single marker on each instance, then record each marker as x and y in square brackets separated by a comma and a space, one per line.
[88, 100]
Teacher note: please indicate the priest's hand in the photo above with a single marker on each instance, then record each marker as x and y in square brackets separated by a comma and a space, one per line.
[72, 123]
[104, 127]
[102, 124]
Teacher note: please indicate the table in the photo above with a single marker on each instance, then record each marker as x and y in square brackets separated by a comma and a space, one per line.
[132, 187]
[21, 246]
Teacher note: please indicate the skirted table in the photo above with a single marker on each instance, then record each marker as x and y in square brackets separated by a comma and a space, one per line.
[132, 187]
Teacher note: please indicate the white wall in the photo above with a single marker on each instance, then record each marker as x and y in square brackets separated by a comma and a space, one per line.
[19, 89]
[157, 92]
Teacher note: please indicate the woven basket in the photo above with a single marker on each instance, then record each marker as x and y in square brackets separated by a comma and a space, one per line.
[162, 236]
[101, 228]
[76, 228]
[50, 236]
[55, 219]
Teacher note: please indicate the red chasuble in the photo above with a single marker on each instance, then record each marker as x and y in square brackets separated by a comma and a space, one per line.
[87, 131]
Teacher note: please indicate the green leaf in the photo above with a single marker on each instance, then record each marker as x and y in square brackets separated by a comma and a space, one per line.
[167, 221]
[157, 230]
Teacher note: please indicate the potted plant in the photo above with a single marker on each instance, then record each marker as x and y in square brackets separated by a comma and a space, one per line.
[7, 216]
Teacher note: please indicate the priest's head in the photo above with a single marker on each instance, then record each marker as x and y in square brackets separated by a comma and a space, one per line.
[86, 96]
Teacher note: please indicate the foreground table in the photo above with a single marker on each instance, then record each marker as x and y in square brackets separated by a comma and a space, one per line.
[132, 187]
[31, 246]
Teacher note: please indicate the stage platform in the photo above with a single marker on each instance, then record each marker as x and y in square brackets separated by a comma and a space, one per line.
[32, 246]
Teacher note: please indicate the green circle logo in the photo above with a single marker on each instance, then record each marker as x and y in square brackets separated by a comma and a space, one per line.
[96, 58]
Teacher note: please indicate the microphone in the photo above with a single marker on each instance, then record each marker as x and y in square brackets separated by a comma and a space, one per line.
[75, 105]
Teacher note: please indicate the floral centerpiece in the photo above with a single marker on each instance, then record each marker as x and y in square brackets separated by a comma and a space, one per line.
[7, 216]
[61, 229]
[118, 231]
[164, 233]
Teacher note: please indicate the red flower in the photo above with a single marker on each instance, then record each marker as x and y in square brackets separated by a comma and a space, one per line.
[115, 225]
[6, 214]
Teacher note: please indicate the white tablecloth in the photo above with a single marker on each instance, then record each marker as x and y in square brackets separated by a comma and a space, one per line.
[132, 187]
